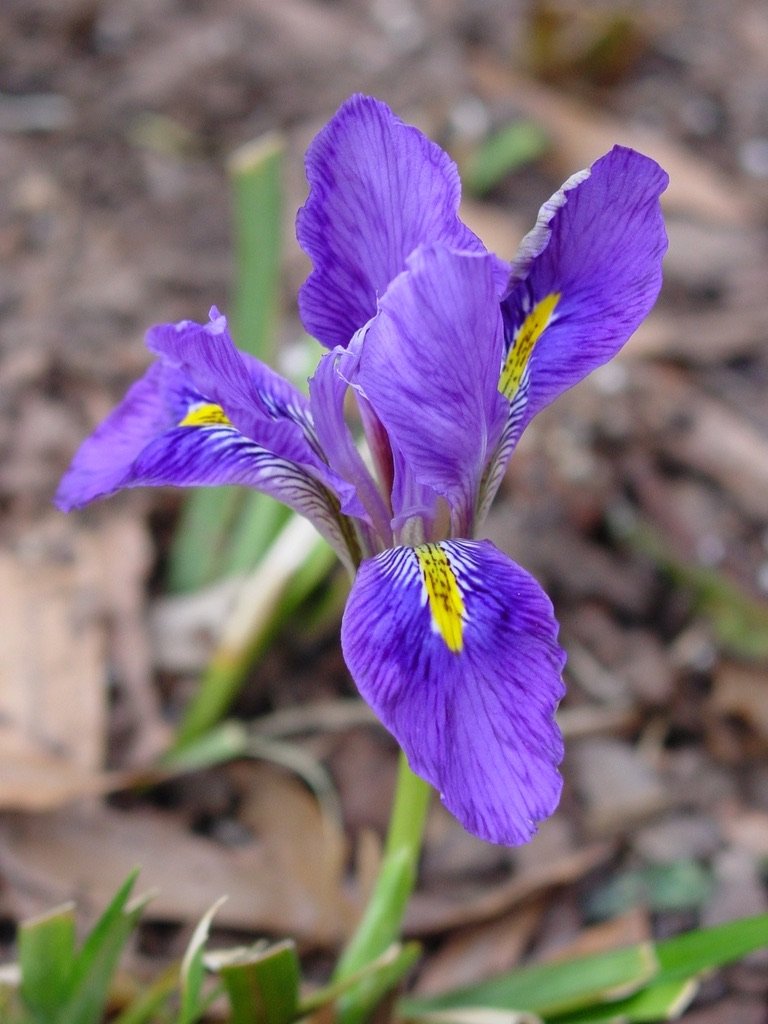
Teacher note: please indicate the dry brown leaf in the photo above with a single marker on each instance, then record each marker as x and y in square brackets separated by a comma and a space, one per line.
[126, 565]
[430, 913]
[741, 691]
[306, 846]
[635, 791]
[71, 615]
[480, 951]
[741, 1009]
[31, 780]
[283, 882]
[704, 434]
[702, 339]
[625, 930]
[52, 659]
[581, 133]
[749, 831]
[500, 230]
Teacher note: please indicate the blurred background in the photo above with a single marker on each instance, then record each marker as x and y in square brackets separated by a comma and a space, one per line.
[640, 500]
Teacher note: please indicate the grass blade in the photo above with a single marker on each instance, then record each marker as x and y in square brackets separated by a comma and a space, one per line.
[262, 984]
[707, 948]
[193, 971]
[95, 965]
[553, 988]
[658, 1002]
[46, 954]
[508, 149]
[258, 607]
[256, 172]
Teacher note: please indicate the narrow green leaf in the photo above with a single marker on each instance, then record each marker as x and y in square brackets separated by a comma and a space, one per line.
[46, 953]
[508, 149]
[478, 1015]
[658, 1002]
[378, 984]
[704, 949]
[193, 969]
[256, 171]
[145, 1008]
[375, 979]
[552, 988]
[262, 983]
[610, 988]
[663, 1001]
[95, 964]
[382, 919]
[282, 578]
[259, 521]
[219, 744]
[199, 544]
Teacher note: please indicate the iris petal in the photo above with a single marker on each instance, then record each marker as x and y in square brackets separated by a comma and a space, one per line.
[430, 368]
[584, 279]
[455, 648]
[219, 454]
[596, 250]
[154, 403]
[378, 189]
[328, 388]
[166, 432]
[249, 390]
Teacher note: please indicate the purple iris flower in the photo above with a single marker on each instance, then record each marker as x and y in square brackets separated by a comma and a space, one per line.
[447, 353]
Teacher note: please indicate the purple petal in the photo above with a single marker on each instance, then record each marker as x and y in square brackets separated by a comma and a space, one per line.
[153, 404]
[262, 405]
[597, 247]
[454, 647]
[378, 189]
[430, 369]
[248, 389]
[583, 281]
[166, 432]
[219, 454]
[328, 388]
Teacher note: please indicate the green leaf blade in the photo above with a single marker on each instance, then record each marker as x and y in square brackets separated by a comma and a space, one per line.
[707, 948]
[511, 147]
[262, 984]
[46, 955]
[193, 1004]
[553, 988]
[94, 967]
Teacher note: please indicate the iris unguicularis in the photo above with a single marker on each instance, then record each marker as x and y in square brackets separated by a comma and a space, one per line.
[447, 352]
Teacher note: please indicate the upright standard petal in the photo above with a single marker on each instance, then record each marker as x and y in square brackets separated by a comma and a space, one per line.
[454, 646]
[586, 276]
[584, 279]
[429, 366]
[378, 189]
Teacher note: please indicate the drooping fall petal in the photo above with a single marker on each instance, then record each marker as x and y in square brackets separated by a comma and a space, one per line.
[455, 648]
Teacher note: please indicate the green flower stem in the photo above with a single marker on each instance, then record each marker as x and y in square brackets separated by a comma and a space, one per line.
[382, 920]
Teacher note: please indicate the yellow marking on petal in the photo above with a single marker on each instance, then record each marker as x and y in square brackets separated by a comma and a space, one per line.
[446, 604]
[527, 335]
[205, 414]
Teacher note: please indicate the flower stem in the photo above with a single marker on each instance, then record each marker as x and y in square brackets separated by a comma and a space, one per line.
[382, 920]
